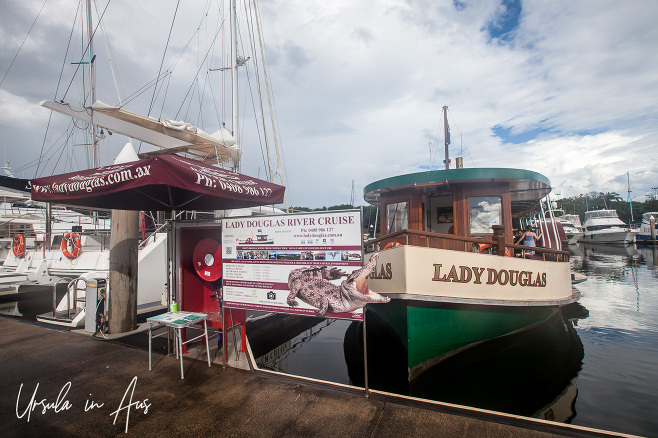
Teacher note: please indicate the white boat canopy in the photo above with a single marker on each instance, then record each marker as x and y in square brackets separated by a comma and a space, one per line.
[170, 136]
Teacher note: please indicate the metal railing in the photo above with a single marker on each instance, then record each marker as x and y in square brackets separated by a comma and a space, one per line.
[71, 282]
[466, 244]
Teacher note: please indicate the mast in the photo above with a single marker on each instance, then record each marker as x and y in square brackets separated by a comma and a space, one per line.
[95, 161]
[446, 135]
[630, 203]
[234, 72]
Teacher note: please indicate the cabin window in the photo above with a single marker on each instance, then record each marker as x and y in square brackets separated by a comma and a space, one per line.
[485, 212]
[397, 217]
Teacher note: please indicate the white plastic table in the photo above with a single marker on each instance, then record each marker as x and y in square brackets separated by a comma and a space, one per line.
[178, 321]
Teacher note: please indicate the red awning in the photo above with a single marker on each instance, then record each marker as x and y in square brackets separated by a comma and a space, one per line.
[160, 183]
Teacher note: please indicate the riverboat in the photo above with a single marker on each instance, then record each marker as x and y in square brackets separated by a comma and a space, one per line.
[448, 261]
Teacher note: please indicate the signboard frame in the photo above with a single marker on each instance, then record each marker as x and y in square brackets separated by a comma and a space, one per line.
[259, 254]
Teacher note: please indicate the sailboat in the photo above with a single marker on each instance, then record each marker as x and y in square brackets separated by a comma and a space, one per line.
[169, 136]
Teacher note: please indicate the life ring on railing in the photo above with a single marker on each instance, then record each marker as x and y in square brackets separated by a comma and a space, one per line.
[18, 245]
[75, 241]
[484, 248]
[392, 245]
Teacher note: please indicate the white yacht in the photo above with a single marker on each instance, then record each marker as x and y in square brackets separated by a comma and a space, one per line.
[604, 226]
[647, 231]
[570, 224]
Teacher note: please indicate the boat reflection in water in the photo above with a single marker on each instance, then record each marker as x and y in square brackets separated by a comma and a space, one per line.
[607, 261]
[32, 301]
[531, 373]
[617, 263]
[649, 254]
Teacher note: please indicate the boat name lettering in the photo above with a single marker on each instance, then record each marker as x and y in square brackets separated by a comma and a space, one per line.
[467, 274]
[382, 272]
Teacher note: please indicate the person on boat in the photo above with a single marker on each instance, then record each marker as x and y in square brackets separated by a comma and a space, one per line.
[529, 238]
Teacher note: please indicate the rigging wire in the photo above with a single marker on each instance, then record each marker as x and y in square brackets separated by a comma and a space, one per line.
[87, 48]
[260, 98]
[269, 100]
[24, 39]
[142, 89]
[59, 81]
[110, 55]
[190, 89]
[268, 177]
[164, 54]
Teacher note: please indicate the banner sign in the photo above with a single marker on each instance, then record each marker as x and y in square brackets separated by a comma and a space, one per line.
[294, 263]
[160, 183]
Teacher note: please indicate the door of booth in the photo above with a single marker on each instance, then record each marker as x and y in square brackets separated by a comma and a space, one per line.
[194, 293]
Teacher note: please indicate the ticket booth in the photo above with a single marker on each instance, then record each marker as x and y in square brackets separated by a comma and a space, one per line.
[197, 275]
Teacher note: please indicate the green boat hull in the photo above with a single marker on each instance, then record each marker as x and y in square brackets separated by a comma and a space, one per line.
[430, 333]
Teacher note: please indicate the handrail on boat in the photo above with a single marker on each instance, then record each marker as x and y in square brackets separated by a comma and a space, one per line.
[460, 243]
[68, 300]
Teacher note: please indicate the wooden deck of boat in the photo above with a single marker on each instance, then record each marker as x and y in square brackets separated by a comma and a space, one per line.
[38, 362]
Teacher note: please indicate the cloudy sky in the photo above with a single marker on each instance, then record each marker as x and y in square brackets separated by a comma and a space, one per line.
[565, 88]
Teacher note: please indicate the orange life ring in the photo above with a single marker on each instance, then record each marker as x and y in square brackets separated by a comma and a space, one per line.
[18, 245]
[484, 248]
[392, 245]
[75, 240]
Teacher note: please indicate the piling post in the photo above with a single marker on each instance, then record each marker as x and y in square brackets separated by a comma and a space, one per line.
[122, 297]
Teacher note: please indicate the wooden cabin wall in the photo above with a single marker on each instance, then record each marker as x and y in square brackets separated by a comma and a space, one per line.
[462, 209]
[414, 199]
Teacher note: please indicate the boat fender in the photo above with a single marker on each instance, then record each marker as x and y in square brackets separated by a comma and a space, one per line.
[75, 243]
[392, 245]
[18, 245]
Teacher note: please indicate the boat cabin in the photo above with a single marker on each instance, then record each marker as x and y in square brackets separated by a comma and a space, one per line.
[454, 208]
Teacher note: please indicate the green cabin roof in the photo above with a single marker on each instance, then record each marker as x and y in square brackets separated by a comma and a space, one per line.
[526, 187]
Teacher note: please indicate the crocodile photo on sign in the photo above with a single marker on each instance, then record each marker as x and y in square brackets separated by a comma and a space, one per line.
[312, 286]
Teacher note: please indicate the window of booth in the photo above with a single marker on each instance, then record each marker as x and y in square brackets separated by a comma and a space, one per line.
[485, 211]
[397, 216]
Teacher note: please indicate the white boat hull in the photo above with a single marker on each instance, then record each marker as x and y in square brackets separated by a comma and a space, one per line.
[609, 236]
[151, 286]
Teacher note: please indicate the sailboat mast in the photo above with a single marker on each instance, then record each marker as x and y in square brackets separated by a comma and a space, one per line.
[446, 135]
[234, 72]
[630, 203]
[95, 162]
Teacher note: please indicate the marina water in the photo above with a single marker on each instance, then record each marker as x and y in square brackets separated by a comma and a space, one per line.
[594, 364]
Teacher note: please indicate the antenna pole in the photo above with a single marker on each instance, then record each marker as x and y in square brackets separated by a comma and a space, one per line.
[446, 135]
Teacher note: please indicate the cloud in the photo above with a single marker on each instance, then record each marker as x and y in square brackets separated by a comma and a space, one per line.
[563, 88]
